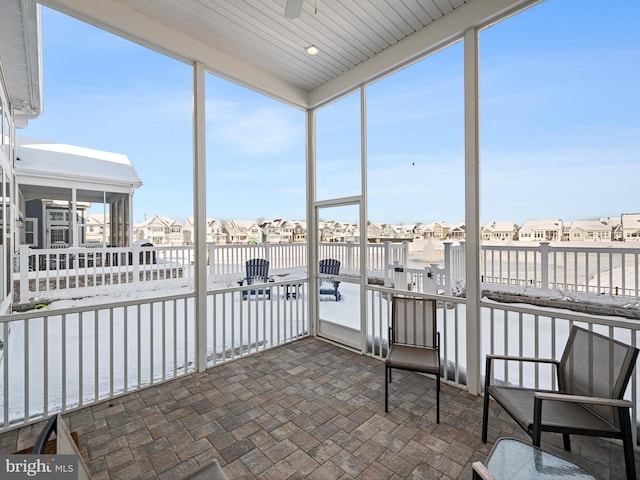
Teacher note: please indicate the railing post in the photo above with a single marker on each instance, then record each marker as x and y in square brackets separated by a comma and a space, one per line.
[267, 253]
[544, 265]
[447, 267]
[135, 263]
[405, 252]
[211, 258]
[350, 255]
[387, 264]
[24, 272]
[429, 280]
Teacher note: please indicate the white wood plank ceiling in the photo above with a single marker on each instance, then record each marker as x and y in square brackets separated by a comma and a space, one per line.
[253, 43]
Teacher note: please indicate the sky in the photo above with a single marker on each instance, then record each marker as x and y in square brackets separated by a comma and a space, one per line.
[560, 131]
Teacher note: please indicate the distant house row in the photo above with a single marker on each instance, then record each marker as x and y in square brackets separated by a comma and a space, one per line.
[160, 230]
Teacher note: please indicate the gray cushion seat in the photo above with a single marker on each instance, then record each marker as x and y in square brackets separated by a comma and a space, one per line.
[409, 357]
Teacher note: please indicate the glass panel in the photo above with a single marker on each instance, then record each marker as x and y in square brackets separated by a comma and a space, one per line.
[339, 254]
[415, 165]
[338, 157]
[256, 162]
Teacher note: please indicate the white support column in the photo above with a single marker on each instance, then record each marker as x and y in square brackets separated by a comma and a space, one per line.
[364, 251]
[472, 207]
[74, 219]
[200, 219]
[312, 223]
[104, 219]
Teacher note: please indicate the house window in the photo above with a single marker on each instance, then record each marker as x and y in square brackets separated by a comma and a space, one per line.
[31, 231]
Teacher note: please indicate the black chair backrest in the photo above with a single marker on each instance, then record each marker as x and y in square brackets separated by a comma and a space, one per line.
[594, 365]
[414, 321]
[329, 266]
[257, 270]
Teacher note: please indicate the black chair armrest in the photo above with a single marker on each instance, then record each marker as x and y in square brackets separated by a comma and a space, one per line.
[565, 397]
[509, 358]
[43, 437]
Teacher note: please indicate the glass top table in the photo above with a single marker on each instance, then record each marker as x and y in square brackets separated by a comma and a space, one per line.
[512, 459]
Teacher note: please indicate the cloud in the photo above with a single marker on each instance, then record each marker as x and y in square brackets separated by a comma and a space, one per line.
[264, 130]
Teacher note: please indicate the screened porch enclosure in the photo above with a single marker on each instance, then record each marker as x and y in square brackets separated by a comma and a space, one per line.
[123, 349]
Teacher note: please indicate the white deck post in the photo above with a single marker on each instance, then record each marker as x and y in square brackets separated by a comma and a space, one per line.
[200, 220]
[472, 207]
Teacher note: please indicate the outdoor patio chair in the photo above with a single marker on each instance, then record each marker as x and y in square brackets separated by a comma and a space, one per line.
[257, 272]
[592, 376]
[330, 266]
[414, 342]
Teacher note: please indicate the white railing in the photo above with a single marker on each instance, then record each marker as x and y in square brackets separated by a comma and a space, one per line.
[46, 270]
[59, 360]
[611, 270]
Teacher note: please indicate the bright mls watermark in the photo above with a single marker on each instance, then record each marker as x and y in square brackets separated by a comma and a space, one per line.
[53, 467]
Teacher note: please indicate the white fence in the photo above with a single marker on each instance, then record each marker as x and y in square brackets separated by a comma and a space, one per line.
[45, 270]
[590, 269]
[612, 270]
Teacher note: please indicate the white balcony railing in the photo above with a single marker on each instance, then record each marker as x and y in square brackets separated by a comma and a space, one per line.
[64, 359]
[55, 361]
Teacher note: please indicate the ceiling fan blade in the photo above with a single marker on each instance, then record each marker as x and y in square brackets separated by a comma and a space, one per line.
[293, 8]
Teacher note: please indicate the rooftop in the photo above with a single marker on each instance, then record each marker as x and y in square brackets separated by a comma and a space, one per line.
[307, 409]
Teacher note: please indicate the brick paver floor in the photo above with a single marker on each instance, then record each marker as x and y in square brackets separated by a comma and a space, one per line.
[308, 409]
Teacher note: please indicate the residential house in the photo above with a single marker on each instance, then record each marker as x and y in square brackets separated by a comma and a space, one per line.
[188, 229]
[216, 233]
[440, 230]
[285, 229]
[404, 232]
[160, 231]
[299, 231]
[20, 101]
[383, 232]
[270, 232]
[615, 224]
[500, 231]
[422, 231]
[630, 227]
[586, 231]
[540, 231]
[243, 232]
[59, 182]
[97, 229]
[457, 232]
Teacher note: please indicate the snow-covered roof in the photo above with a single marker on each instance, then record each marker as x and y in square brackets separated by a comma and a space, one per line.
[59, 160]
[501, 226]
[631, 221]
[588, 225]
[541, 224]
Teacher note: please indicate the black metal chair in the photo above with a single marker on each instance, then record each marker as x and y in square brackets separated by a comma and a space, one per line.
[257, 272]
[414, 342]
[592, 374]
[330, 266]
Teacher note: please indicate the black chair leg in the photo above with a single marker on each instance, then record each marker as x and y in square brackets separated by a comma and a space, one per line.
[627, 443]
[485, 416]
[437, 398]
[566, 440]
[386, 388]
